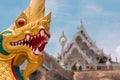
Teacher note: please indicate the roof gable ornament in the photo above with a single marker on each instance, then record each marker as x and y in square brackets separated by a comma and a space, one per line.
[81, 28]
[81, 22]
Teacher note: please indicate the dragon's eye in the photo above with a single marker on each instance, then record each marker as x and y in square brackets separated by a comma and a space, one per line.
[21, 22]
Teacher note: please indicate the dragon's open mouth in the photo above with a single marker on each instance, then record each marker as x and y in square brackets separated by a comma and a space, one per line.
[36, 43]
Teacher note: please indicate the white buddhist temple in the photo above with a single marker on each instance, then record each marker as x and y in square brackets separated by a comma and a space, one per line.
[83, 54]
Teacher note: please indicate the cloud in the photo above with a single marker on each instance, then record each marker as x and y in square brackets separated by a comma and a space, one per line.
[93, 8]
[90, 10]
[54, 5]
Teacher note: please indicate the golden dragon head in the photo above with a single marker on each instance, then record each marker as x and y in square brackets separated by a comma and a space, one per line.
[30, 31]
[26, 39]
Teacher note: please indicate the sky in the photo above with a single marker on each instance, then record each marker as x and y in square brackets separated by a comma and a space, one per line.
[101, 19]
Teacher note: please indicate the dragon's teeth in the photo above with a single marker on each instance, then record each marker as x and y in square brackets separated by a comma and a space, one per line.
[24, 44]
[25, 40]
[28, 45]
[21, 41]
[16, 43]
[37, 51]
[21, 44]
[39, 45]
[31, 38]
[42, 32]
[35, 37]
[12, 44]
[38, 35]
[33, 50]
[31, 47]
[45, 41]
[27, 37]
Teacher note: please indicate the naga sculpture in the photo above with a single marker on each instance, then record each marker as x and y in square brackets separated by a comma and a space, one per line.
[24, 40]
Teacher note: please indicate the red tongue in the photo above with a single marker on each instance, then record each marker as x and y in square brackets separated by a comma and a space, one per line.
[42, 47]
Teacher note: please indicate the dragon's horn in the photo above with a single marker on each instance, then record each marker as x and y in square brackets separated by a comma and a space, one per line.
[46, 21]
[35, 10]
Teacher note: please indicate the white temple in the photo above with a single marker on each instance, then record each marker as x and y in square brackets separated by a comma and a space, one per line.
[83, 54]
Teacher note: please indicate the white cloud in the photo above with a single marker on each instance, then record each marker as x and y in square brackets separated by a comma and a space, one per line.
[54, 5]
[90, 10]
[93, 8]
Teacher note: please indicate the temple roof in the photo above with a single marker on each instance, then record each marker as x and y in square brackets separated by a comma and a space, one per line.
[84, 44]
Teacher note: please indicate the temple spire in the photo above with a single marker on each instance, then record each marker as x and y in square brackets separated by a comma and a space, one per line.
[81, 26]
[81, 23]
